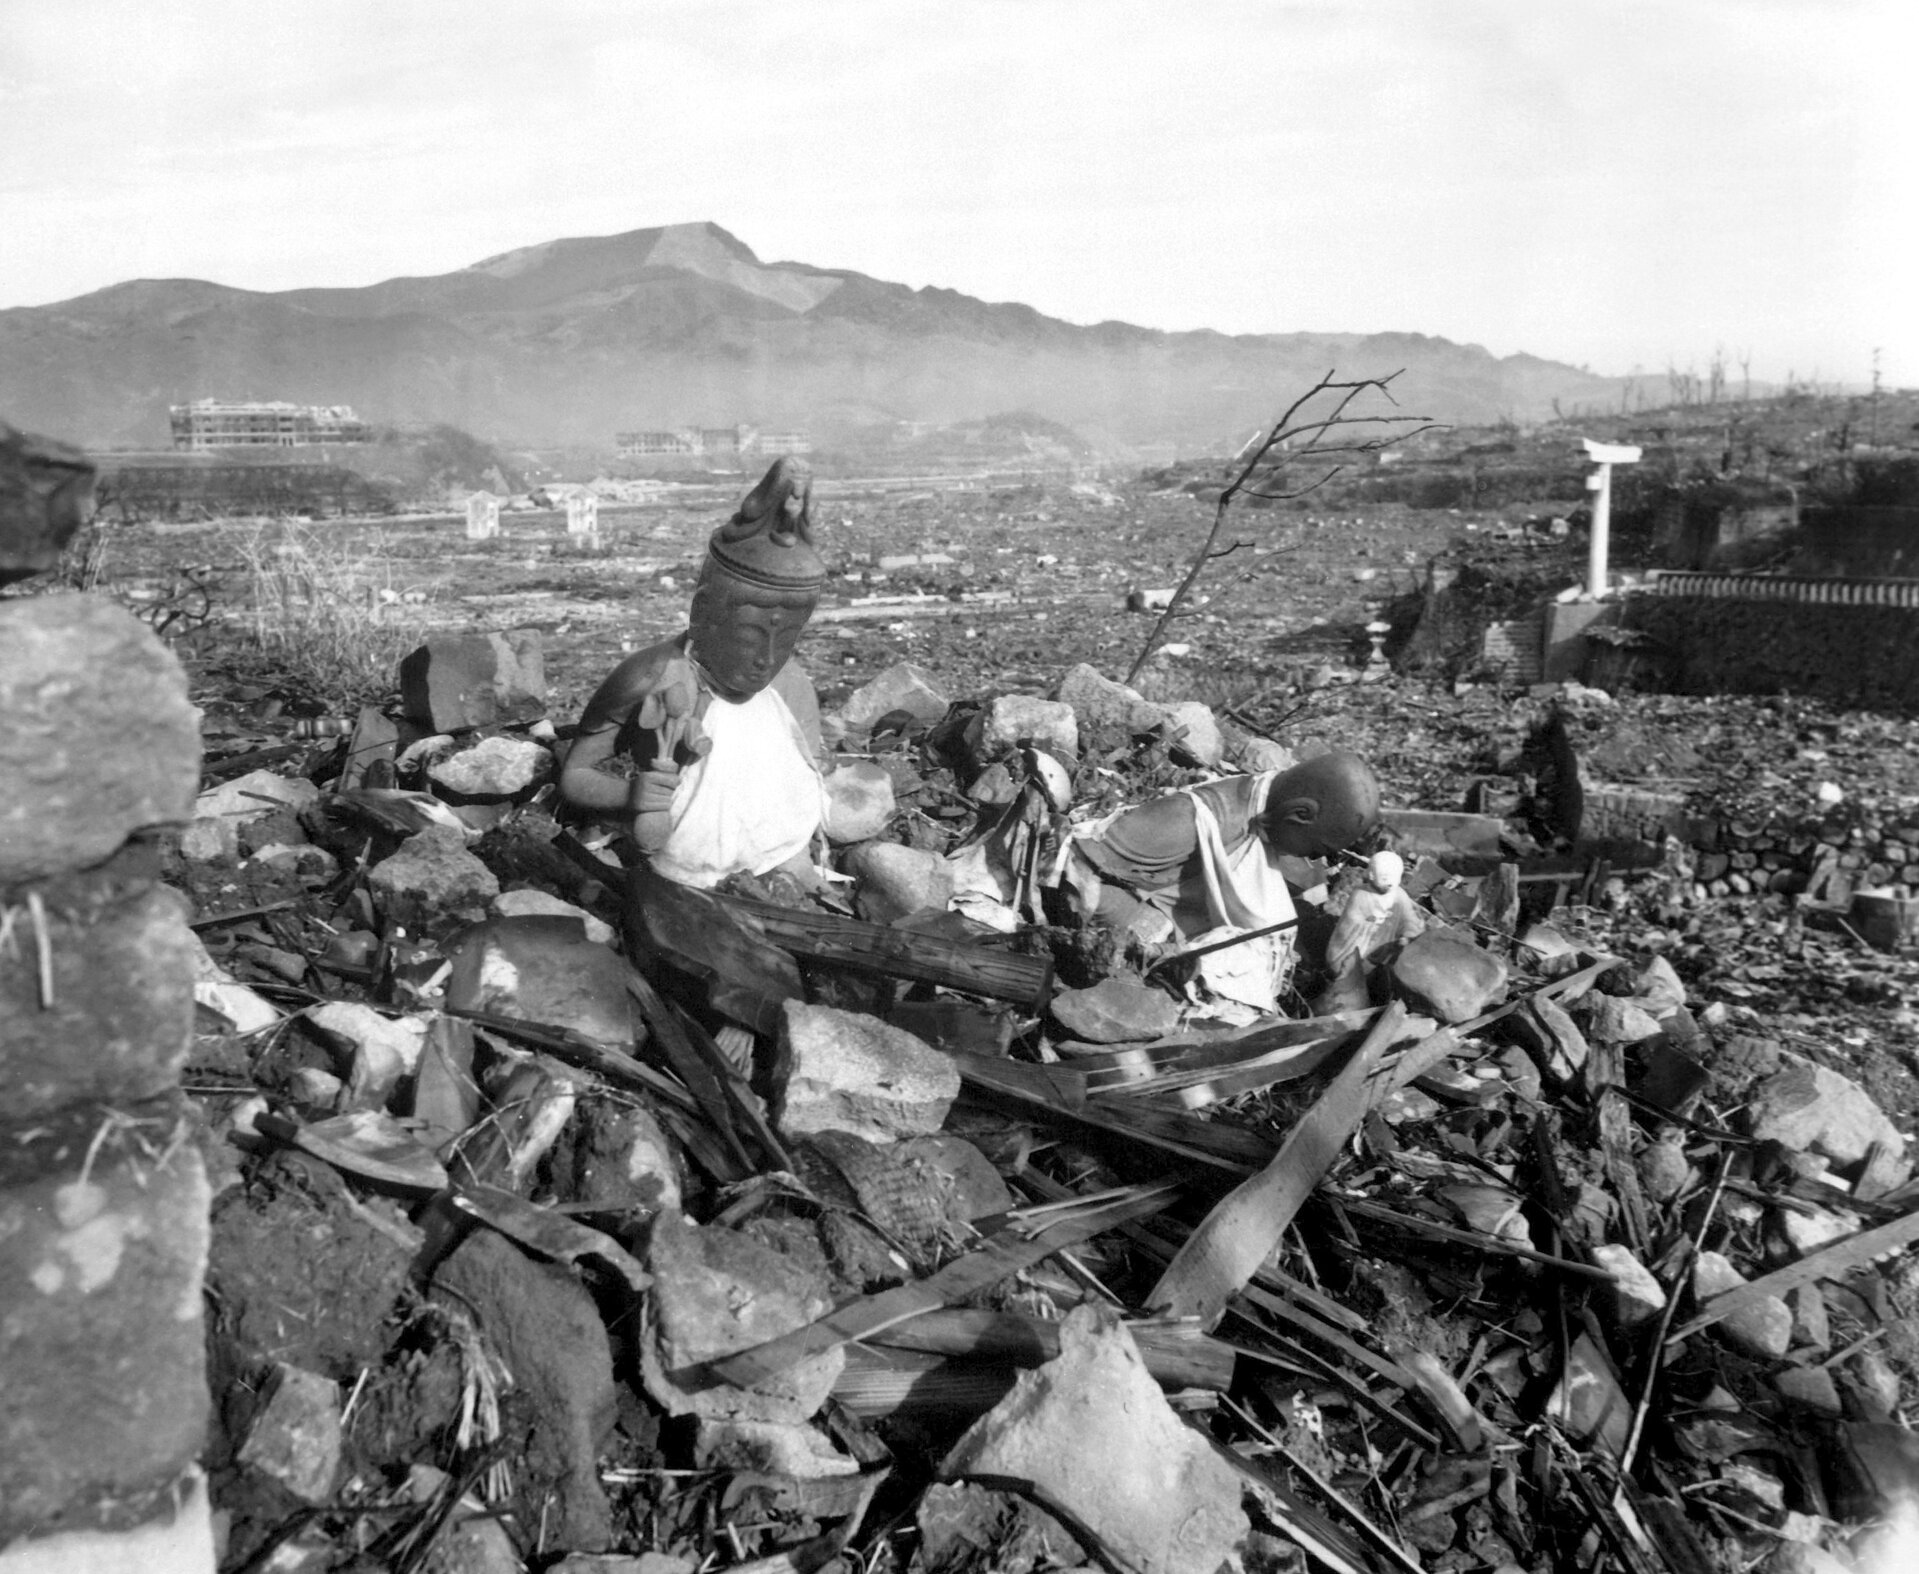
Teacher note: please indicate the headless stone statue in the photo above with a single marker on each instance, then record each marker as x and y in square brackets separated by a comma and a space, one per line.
[1214, 855]
[722, 723]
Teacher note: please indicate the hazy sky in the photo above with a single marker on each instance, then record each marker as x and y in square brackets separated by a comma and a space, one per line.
[1620, 185]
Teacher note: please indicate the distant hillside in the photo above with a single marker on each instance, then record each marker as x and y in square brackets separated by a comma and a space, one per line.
[573, 340]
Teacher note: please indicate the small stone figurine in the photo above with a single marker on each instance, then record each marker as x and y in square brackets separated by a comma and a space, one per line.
[1379, 917]
[721, 721]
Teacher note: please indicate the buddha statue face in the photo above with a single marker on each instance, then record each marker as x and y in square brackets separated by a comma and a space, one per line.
[759, 585]
[743, 634]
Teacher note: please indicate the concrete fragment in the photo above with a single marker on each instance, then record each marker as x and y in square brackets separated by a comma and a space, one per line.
[1809, 1228]
[375, 1049]
[1254, 754]
[220, 812]
[1617, 1021]
[538, 904]
[432, 874]
[1117, 1010]
[117, 1022]
[46, 494]
[540, 1320]
[294, 1436]
[859, 801]
[844, 1071]
[1872, 1386]
[1012, 719]
[717, 1291]
[1663, 1166]
[895, 880]
[623, 1161]
[1196, 733]
[1810, 1108]
[542, 969]
[1588, 1400]
[1637, 1296]
[103, 1245]
[901, 687]
[1658, 987]
[99, 740]
[1098, 701]
[493, 769]
[1094, 1436]
[1811, 1322]
[1762, 1327]
[1444, 975]
[457, 681]
[1810, 1386]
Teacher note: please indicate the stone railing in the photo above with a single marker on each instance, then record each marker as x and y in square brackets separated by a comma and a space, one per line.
[1806, 591]
[103, 1193]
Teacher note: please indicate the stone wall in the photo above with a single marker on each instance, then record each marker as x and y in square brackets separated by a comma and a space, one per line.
[1854, 643]
[103, 1194]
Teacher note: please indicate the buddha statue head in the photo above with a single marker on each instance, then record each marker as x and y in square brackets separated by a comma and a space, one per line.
[1321, 806]
[759, 585]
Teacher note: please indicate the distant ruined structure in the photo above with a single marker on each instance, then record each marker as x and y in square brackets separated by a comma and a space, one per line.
[239, 423]
[712, 442]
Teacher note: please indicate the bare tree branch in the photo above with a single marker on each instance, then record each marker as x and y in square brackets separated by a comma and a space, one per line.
[1274, 453]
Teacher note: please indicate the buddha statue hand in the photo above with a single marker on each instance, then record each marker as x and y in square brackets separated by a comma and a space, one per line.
[672, 714]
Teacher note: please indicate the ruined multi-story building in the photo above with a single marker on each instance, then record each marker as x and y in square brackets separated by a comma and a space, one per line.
[241, 423]
[711, 442]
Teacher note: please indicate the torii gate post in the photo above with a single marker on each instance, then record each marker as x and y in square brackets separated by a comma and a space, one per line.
[1599, 483]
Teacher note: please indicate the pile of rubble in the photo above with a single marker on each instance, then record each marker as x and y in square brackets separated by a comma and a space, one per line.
[568, 1219]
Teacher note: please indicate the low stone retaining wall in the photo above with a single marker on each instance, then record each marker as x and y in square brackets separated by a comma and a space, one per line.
[1851, 641]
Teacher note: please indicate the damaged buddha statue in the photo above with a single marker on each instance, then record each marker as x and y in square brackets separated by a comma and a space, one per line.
[1209, 862]
[721, 724]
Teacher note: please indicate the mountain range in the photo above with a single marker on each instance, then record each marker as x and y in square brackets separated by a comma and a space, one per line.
[571, 341]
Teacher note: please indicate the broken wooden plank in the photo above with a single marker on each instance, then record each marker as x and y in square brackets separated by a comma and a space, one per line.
[975, 969]
[1022, 1242]
[1221, 1256]
[1178, 1354]
[1829, 1262]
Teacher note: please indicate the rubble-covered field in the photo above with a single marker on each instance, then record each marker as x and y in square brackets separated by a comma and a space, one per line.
[1591, 1253]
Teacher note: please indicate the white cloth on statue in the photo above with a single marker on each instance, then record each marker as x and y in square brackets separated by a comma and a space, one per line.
[752, 802]
[1244, 892]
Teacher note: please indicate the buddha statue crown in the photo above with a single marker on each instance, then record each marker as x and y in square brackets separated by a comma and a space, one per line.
[768, 543]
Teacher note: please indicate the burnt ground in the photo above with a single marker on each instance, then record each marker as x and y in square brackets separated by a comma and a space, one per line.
[1015, 586]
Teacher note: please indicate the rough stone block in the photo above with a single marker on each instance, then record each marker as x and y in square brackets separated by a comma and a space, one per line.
[1808, 1107]
[99, 740]
[845, 1071]
[542, 969]
[1118, 1010]
[103, 1246]
[295, 1435]
[1012, 719]
[494, 769]
[1098, 701]
[457, 681]
[901, 687]
[718, 1291]
[1199, 737]
[1447, 976]
[432, 874]
[119, 1022]
[1096, 1438]
[46, 494]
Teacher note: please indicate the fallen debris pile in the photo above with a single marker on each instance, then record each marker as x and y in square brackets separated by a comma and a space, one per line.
[570, 1219]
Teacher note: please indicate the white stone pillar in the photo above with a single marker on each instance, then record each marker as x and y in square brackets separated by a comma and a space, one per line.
[1604, 456]
[482, 517]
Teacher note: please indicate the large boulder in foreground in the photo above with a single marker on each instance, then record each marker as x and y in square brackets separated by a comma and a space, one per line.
[1095, 1438]
[1443, 974]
